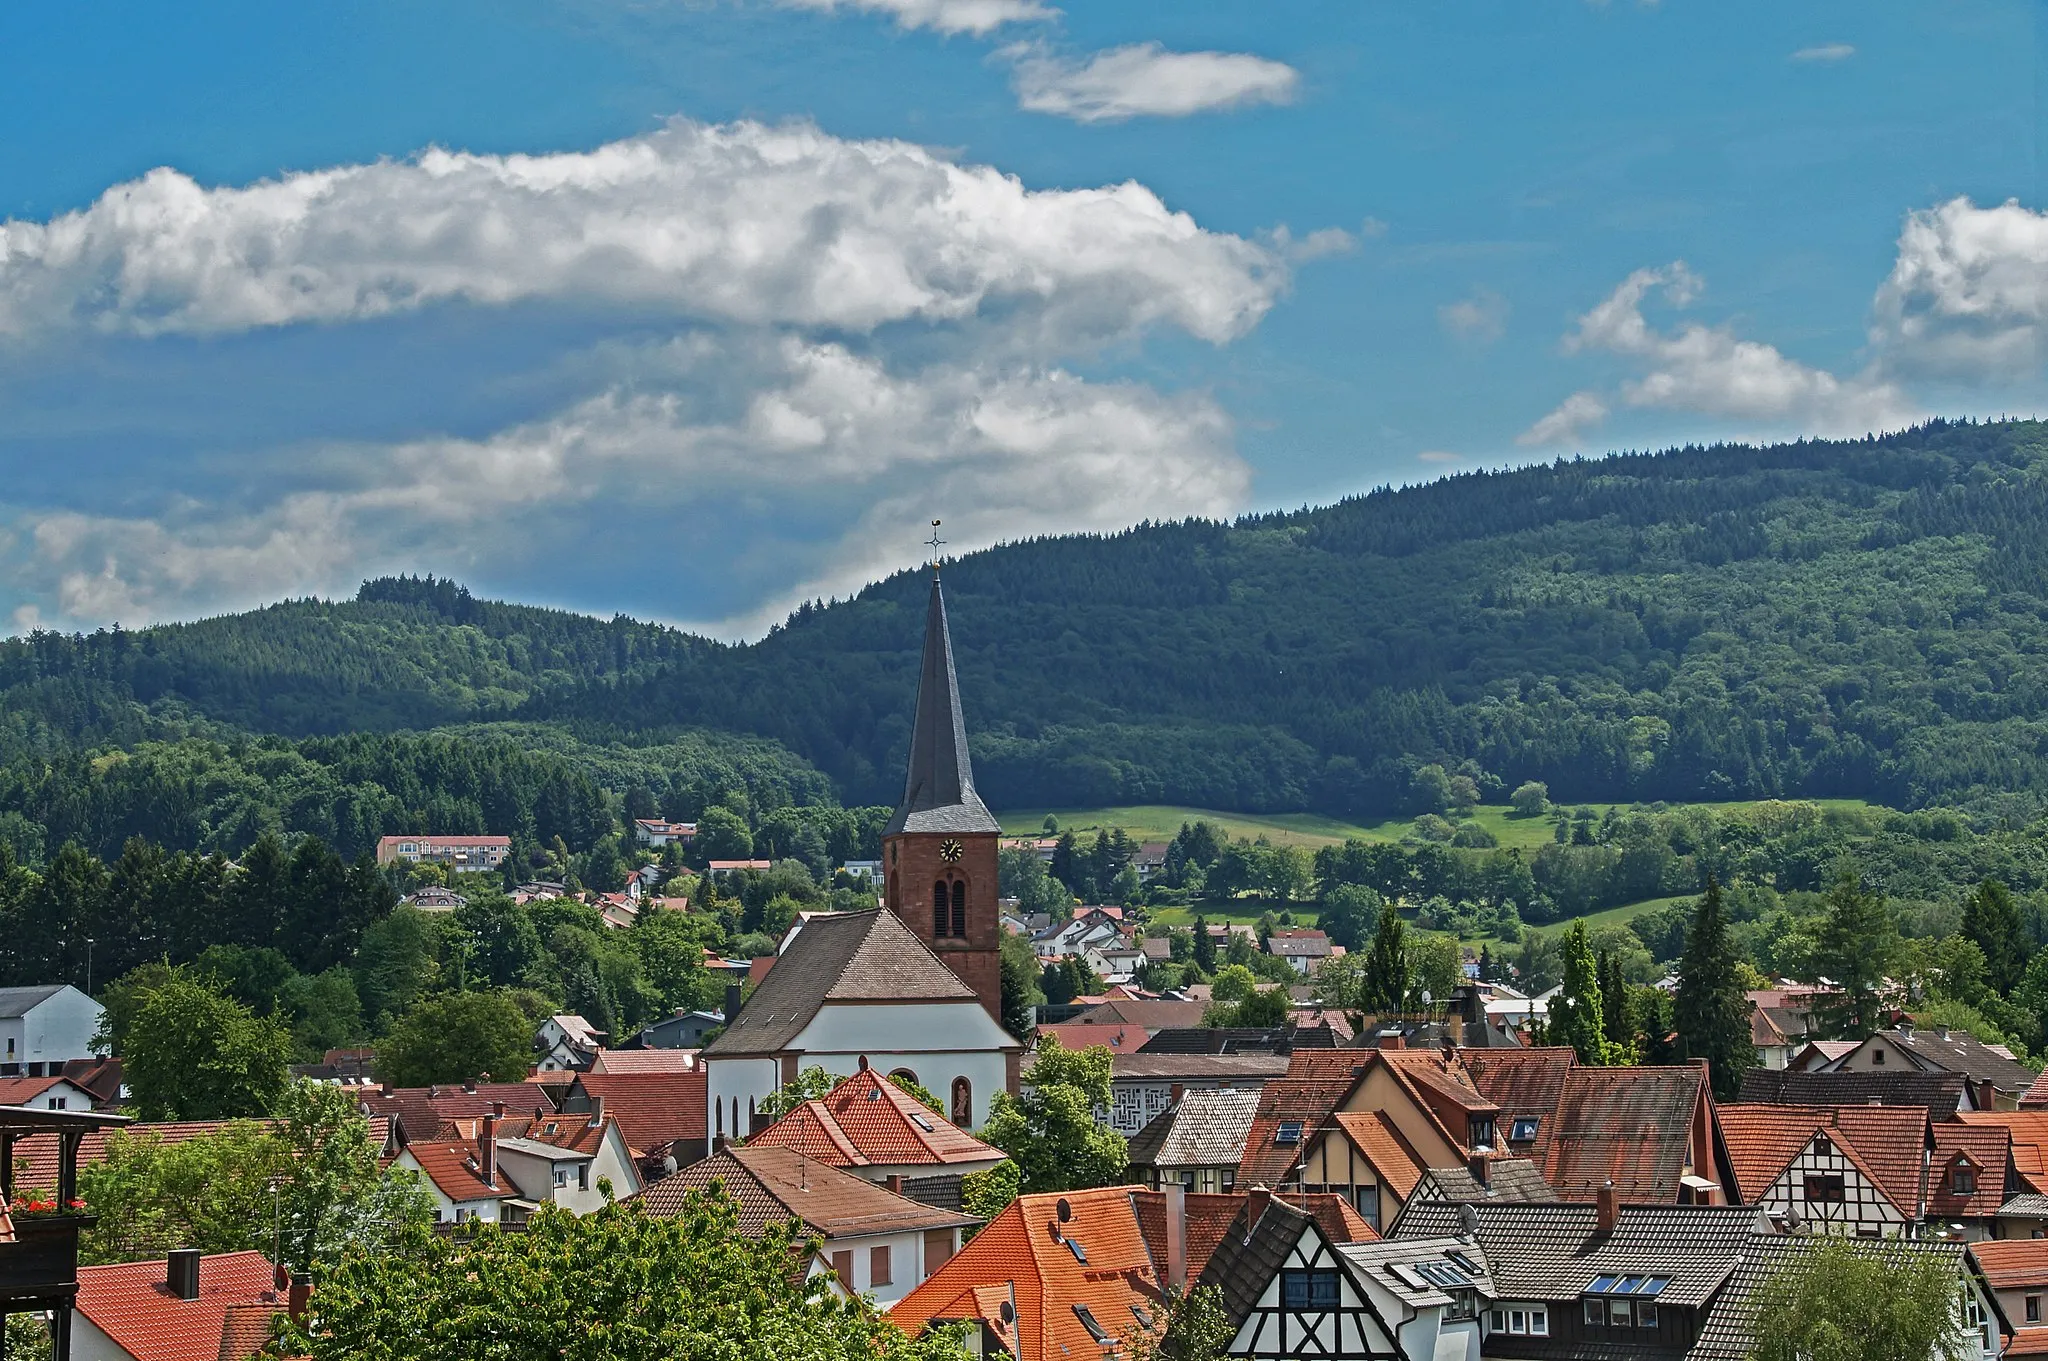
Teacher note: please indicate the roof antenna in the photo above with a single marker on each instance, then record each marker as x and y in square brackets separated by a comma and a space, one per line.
[935, 541]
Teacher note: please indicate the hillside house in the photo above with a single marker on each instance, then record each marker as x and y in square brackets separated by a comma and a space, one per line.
[1995, 1079]
[45, 1026]
[462, 854]
[566, 1044]
[657, 832]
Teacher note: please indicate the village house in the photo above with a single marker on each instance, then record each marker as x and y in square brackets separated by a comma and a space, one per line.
[684, 1030]
[1303, 948]
[1090, 928]
[1846, 1169]
[1196, 1142]
[872, 1128]
[662, 1116]
[2016, 1271]
[433, 899]
[45, 1094]
[216, 1307]
[500, 1168]
[1941, 1095]
[462, 854]
[657, 833]
[566, 1044]
[876, 1242]
[44, 1027]
[1144, 1084]
[1995, 1079]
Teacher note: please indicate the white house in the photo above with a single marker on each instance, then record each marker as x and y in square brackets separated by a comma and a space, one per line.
[859, 990]
[1076, 936]
[44, 1094]
[44, 1027]
[566, 1044]
[655, 832]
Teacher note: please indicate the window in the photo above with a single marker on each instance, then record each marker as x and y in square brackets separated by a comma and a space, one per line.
[1080, 1253]
[1825, 1189]
[960, 908]
[963, 1102]
[1877, 1058]
[1620, 1313]
[940, 920]
[561, 1176]
[1308, 1289]
[57, 1102]
[1497, 1321]
[583, 1176]
[1596, 1312]
[1367, 1200]
[878, 1266]
[2033, 1308]
[1539, 1321]
[1646, 1314]
[1464, 1304]
[1230, 1181]
[1479, 1132]
[1522, 1130]
[842, 1267]
[1962, 1180]
[1095, 1330]
[1289, 1133]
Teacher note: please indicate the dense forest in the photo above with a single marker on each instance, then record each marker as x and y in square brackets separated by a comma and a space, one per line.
[1853, 618]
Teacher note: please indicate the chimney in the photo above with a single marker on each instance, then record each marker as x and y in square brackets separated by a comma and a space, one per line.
[181, 1273]
[894, 1181]
[1609, 1204]
[1477, 1164]
[469, 1086]
[1394, 1041]
[1177, 1235]
[1454, 1031]
[487, 1151]
[732, 1002]
[498, 1109]
[300, 1298]
[1255, 1204]
[596, 1111]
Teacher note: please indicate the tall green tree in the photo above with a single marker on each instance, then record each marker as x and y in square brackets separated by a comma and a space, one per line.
[1385, 986]
[1855, 947]
[1574, 1016]
[1020, 990]
[1992, 919]
[1848, 1300]
[193, 1054]
[1617, 1023]
[1050, 1131]
[458, 1037]
[1710, 1008]
[1204, 947]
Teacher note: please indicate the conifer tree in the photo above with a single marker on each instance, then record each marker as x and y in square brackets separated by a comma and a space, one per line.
[1386, 966]
[1711, 1011]
[1486, 964]
[1992, 919]
[1205, 947]
[1857, 944]
[1575, 1009]
[1616, 1023]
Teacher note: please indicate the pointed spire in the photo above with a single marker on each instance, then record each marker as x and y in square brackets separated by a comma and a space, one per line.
[938, 791]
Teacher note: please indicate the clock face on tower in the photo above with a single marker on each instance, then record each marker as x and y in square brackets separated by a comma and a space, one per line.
[950, 850]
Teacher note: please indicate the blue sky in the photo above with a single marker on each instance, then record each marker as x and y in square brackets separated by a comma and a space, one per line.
[694, 308]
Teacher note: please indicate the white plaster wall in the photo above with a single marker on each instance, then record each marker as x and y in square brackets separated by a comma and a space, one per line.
[57, 1030]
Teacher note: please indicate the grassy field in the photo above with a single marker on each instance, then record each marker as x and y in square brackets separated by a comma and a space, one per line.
[1158, 822]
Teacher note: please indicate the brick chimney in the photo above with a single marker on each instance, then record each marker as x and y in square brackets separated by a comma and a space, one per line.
[1255, 1204]
[301, 1297]
[487, 1151]
[498, 1109]
[1394, 1042]
[1177, 1235]
[1608, 1203]
[894, 1181]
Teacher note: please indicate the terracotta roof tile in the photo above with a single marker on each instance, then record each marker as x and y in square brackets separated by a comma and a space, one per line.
[1339, 1222]
[1306, 1102]
[2036, 1096]
[1989, 1151]
[452, 1166]
[1374, 1134]
[654, 1110]
[2029, 1130]
[645, 1061]
[131, 1305]
[1144, 1015]
[2013, 1263]
[775, 1184]
[2027, 1342]
[1018, 1248]
[423, 1110]
[1521, 1082]
[1631, 1126]
[868, 1121]
[245, 1330]
[1120, 1038]
[1885, 1142]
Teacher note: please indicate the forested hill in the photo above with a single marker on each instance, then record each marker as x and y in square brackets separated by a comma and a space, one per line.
[1853, 618]
[1847, 618]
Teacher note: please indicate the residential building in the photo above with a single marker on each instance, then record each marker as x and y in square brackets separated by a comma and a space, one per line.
[1148, 1016]
[1995, 1079]
[653, 1060]
[1197, 1142]
[45, 1094]
[1089, 928]
[657, 832]
[1149, 859]
[1073, 1035]
[1144, 1084]
[663, 1117]
[2017, 1273]
[566, 1044]
[859, 990]
[421, 1112]
[1304, 949]
[875, 1241]
[466, 854]
[463, 1186]
[1847, 1169]
[872, 1128]
[217, 1307]
[1114, 962]
[434, 899]
[500, 1169]
[2023, 1211]
[684, 1030]
[735, 866]
[44, 1027]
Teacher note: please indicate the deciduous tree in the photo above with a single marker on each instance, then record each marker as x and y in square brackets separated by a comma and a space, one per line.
[1050, 1131]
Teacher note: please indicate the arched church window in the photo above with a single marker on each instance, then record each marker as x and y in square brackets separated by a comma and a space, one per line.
[959, 907]
[939, 918]
[963, 1103]
[906, 1073]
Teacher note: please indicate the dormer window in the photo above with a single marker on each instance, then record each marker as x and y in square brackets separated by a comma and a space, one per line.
[1962, 1179]
[1822, 1146]
[1479, 1132]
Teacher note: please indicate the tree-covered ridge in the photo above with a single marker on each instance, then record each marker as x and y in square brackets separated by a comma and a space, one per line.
[1822, 618]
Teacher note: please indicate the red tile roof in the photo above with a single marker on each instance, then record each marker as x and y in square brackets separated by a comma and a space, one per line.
[451, 1165]
[868, 1121]
[2027, 1342]
[1520, 1081]
[654, 1110]
[1885, 1143]
[2013, 1263]
[423, 1110]
[2036, 1096]
[1989, 1150]
[645, 1061]
[130, 1304]
[1375, 1136]
[2029, 1131]
[1074, 1035]
[1334, 1215]
[1307, 1102]
[245, 1330]
[1631, 1126]
[36, 1154]
[775, 1184]
[1019, 1248]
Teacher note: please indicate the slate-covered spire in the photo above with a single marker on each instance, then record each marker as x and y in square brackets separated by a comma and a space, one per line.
[938, 792]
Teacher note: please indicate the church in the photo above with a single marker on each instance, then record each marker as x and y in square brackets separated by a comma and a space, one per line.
[913, 987]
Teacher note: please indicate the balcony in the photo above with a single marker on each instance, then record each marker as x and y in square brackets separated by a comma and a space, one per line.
[39, 1252]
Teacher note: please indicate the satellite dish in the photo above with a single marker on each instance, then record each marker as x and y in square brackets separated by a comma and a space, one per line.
[1008, 1312]
[1468, 1221]
[1064, 1210]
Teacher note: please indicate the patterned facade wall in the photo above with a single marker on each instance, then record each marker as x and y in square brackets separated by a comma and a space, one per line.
[1347, 1328]
[1863, 1208]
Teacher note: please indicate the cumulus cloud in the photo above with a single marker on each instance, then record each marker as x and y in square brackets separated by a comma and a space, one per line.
[1968, 292]
[945, 16]
[1146, 80]
[741, 223]
[1825, 52]
[1480, 317]
[1000, 453]
[1710, 371]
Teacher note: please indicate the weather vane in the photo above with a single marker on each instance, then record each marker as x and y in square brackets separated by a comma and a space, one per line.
[935, 541]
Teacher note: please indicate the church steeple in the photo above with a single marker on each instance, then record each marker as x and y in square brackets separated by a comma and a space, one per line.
[938, 789]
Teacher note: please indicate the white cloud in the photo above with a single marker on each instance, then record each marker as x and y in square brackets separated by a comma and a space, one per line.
[740, 223]
[1000, 454]
[1481, 317]
[1968, 293]
[1146, 80]
[1440, 456]
[1709, 371]
[1825, 52]
[946, 16]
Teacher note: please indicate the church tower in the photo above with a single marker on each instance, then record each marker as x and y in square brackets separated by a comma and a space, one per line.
[939, 851]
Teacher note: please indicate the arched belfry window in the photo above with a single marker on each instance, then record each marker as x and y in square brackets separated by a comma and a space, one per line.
[959, 907]
[939, 917]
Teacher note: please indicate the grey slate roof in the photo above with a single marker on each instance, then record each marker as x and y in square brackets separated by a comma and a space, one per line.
[938, 790]
[1245, 1260]
[1508, 1181]
[838, 957]
[18, 1001]
[1726, 1332]
[1205, 1128]
[1940, 1093]
[1954, 1051]
[1373, 1260]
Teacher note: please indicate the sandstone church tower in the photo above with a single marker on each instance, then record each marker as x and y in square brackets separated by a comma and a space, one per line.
[939, 851]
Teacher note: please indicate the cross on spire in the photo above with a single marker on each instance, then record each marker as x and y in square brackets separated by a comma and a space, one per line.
[934, 542]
